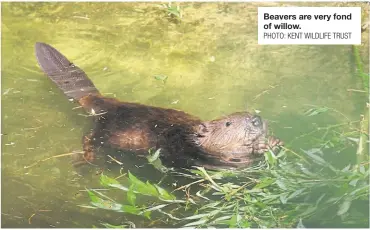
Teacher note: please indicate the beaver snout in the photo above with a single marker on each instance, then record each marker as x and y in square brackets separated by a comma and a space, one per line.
[256, 121]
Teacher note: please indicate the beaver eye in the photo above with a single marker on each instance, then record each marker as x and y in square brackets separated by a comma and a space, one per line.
[256, 121]
[228, 124]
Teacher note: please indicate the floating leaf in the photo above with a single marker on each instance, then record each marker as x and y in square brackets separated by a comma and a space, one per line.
[168, 214]
[103, 204]
[300, 224]
[315, 111]
[111, 182]
[281, 184]
[87, 206]
[222, 219]
[309, 211]
[161, 77]
[154, 157]
[200, 195]
[141, 187]
[210, 205]
[164, 194]
[155, 207]
[346, 169]
[196, 216]
[244, 223]
[199, 222]
[315, 157]
[107, 225]
[208, 177]
[270, 158]
[320, 198]
[356, 140]
[92, 196]
[353, 182]
[284, 198]
[233, 221]
[264, 183]
[210, 214]
[314, 151]
[131, 197]
[131, 209]
[296, 193]
[362, 169]
[344, 207]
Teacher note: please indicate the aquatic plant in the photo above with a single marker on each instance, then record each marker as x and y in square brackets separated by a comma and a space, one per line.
[364, 125]
[172, 11]
[286, 190]
[359, 67]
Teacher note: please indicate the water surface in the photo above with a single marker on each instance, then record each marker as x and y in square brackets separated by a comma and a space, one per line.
[213, 65]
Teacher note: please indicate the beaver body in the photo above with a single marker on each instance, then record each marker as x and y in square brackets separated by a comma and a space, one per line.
[185, 140]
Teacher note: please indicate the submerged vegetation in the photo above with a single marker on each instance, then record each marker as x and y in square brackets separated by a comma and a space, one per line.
[295, 188]
[213, 49]
[173, 12]
[292, 189]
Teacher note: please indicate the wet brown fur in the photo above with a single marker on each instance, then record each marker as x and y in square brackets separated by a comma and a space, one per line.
[185, 140]
[230, 141]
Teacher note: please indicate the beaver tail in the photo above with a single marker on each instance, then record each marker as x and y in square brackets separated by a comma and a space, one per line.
[69, 78]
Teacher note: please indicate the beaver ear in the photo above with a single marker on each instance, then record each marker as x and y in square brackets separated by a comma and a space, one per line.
[202, 129]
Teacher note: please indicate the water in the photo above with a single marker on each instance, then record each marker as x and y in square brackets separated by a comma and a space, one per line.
[214, 67]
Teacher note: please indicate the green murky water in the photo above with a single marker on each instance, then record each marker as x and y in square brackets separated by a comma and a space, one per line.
[214, 67]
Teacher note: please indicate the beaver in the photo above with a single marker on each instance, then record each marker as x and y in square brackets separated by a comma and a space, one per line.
[185, 140]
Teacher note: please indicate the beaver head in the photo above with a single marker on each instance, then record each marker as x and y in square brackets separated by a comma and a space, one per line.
[234, 139]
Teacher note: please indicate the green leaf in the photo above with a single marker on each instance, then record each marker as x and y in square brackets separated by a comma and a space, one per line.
[222, 220]
[92, 196]
[244, 223]
[107, 225]
[210, 205]
[111, 182]
[103, 204]
[264, 182]
[160, 77]
[281, 184]
[309, 211]
[362, 169]
[344, 207]
[353, 182]
[315, 157]
[141, 187]
[147, 214]
[130, 209]
[296, 193]
[346, 169]
[284, 198]
[155, 207]
[233, 221]
[196, 223]
[87, 206]
[107, 181]
[270, 158]
[164, 194]
[300, 224]
[320, 198]
[152, 189]
[315, 111]
[131, 197]
[155, 156]
[198, 216]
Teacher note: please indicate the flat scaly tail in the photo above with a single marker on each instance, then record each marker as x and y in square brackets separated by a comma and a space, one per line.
[69, 78]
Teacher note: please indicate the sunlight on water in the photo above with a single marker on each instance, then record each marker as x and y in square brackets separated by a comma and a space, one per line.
[213, 66]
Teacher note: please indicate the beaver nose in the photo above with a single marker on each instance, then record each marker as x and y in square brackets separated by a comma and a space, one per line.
[256, 121]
